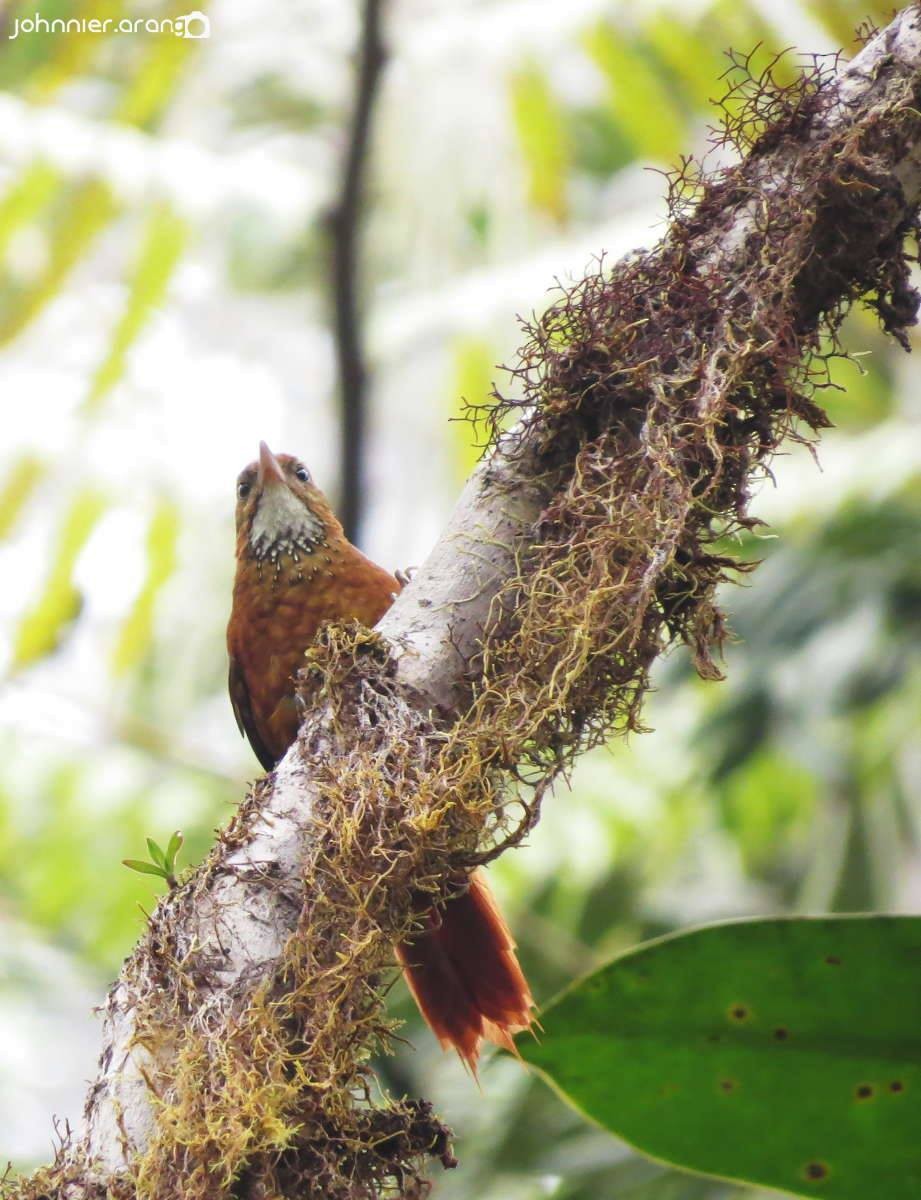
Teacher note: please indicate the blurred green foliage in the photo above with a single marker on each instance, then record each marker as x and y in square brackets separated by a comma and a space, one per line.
[470, 391]
[79, 216]
[636, 86]
[25, 198]
[137, 632]
[64, 839]
[539, 123]
[793, 786]
[20, 483]
[43, 626]
[162, 247]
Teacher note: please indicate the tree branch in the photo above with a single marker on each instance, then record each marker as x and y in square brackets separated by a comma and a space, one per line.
[235, 1041]
[345, 227]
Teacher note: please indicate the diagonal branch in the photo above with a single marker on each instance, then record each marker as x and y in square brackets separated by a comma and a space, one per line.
[235, 1042]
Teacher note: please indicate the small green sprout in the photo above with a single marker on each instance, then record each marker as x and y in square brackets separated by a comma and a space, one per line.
[163, 862]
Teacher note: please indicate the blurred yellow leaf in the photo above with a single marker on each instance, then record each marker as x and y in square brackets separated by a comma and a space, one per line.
[696, 61]
[91, 207]
[474, 369]
[21, 481]
[24, 199]
[160, 252]
[738, 27]
[42, 628]
[639, 95]
[71, 54]
[136, 633]
[541, 129]
[23, 55]
[152, 86]
[842, 18]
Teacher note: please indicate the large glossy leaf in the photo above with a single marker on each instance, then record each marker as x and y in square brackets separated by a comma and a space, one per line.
[782, 1052]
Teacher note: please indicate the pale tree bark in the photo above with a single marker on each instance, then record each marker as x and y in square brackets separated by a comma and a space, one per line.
[382, 716]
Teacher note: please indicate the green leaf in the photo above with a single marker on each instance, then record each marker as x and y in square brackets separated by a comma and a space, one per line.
[173, 848]
[42, 627]
[782, 1052]
[160, 252]
[541, 127]
[156, 854]
[143, 868]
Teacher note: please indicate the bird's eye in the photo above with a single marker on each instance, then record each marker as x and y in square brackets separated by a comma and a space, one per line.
[302, 474]
[243, 489]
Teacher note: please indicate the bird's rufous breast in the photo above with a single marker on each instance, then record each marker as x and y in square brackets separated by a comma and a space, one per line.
[277, 610]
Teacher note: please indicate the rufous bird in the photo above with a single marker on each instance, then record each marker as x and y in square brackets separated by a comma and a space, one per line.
[295, 570]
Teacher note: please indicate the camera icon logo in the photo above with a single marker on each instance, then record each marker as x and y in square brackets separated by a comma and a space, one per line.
[193, 25]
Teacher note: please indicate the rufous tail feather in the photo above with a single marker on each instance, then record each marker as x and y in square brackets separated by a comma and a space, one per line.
[465, 976]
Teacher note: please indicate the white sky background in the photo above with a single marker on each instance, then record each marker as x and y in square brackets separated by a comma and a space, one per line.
[218, 370]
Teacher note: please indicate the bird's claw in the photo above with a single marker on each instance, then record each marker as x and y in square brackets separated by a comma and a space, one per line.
[404, 577]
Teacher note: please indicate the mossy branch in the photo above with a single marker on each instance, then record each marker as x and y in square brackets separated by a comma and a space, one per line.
[236, 1041]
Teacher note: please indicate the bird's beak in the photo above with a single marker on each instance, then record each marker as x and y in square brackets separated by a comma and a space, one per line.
[269, 468]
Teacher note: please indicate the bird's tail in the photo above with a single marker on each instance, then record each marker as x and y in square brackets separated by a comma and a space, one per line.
[465, 977]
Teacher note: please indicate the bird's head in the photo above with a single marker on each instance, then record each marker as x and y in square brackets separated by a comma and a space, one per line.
[280, 511]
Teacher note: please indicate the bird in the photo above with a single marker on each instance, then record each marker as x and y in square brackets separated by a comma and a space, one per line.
[296, 570]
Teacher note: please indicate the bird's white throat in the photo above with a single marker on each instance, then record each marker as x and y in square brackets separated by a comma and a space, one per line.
[283, 524]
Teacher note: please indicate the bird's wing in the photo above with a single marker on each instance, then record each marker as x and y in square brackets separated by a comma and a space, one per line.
[243, 711]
